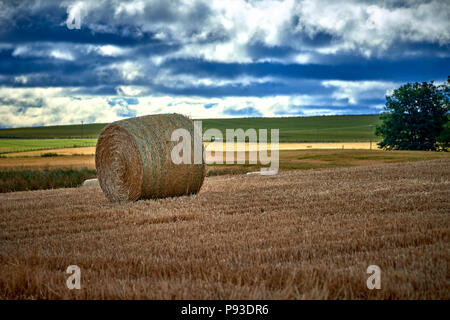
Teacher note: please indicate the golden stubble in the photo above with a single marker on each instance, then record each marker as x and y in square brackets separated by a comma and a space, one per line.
[296, 235]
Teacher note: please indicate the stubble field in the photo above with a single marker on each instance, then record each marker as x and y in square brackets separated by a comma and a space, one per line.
[307, 234]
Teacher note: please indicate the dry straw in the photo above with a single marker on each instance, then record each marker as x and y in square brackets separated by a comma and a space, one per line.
[133, 159]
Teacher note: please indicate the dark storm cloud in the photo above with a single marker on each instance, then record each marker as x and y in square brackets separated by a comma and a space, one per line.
[342, 56]
[300, 110]
[262, 89]
[46, 21]
[366, 69]
[23, 103]
[261, 51]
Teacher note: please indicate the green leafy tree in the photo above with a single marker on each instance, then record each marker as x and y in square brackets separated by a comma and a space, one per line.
[444, 138]
[416, 118]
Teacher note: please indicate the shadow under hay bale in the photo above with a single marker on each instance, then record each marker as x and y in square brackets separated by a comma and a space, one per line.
[133, 159]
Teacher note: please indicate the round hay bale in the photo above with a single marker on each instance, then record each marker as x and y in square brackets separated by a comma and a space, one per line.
[90, 183]
[133, 159]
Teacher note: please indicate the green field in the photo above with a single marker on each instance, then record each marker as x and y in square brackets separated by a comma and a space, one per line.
[307, 129]
[21, 145]
[77, 131]
[292, 129]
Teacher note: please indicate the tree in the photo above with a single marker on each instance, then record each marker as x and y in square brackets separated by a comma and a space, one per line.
[444, 138]
[416, 117]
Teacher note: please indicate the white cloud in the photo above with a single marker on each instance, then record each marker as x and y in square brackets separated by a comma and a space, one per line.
[180, 81]
[354, 91]
[378, 107]
[370, 26]
[131, 91]
[44, 50]
[130, 8]
[21, 79]
[110, 50]
[22, 107]
[63, 55]
[128, 70]
[219, 52]
[218, 30]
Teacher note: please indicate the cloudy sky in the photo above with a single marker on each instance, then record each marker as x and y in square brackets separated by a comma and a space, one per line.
[64, 62]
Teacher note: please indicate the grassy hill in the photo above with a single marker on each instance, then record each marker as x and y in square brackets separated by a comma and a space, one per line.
[292, 129]
[61, 132]
[307, 129]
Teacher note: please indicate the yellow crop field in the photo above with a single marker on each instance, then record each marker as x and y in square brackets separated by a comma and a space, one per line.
[289, 159]
[237, 146]
[59, 151]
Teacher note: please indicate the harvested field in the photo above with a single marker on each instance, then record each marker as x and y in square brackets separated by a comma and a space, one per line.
[37, 163]
[296, 235]
[59, 151]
